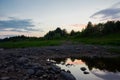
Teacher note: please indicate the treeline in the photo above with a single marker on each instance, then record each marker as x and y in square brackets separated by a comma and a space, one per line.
[19, 38]
[56, 34]
[91, 30]
[101, 29]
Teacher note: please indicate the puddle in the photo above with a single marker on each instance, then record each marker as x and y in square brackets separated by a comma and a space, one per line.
[91, 68]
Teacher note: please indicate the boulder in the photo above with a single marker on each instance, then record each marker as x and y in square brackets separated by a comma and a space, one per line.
[67, 76]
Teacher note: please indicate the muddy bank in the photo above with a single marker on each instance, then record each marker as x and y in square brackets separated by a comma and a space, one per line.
[32, 64]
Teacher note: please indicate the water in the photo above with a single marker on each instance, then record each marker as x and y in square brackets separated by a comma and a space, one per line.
[95, 68]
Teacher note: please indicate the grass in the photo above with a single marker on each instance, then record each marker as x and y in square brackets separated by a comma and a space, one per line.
[113, 39]
[23, 44]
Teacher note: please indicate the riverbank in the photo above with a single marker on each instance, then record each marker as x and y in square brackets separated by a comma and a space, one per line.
[32, 64]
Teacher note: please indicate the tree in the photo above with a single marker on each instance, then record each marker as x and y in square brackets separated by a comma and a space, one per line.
[88, 30]
[72, 33]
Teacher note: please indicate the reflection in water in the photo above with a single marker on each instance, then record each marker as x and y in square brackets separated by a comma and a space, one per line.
[97, 68]
[76, 61]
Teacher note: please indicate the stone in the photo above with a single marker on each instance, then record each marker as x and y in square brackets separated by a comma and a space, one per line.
[37, 66]
[83, 68]
[30, 71]
[67, 76]
[22, 60]
[86, 72]
[55, 68]
[39, 73]
[68, 71]
[45, 76]
[10, 68]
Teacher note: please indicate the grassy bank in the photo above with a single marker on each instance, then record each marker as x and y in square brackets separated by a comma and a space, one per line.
[112, 39]
[23, 44]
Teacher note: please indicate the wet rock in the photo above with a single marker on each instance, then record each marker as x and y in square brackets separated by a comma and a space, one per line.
[83, 68]
[30, 71]
[68, 71]
[67, 76]
[86, 72]
[56, 69]
[5, 78]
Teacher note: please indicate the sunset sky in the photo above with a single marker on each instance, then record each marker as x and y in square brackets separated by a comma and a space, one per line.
[37, 17]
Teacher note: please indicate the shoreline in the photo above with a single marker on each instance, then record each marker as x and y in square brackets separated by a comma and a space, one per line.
[32, 64]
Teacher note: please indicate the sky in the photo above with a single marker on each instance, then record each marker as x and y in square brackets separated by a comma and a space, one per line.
[37, 17]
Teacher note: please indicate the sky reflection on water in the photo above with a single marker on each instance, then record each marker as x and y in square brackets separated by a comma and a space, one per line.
[94, 73]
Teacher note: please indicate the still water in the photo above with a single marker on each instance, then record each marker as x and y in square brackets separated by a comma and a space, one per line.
[91, 68]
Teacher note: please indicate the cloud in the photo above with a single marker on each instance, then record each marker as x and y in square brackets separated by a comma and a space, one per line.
[18, 25]
[6, 36]
[111, 13]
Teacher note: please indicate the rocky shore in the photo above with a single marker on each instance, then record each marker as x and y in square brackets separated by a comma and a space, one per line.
[32, 64]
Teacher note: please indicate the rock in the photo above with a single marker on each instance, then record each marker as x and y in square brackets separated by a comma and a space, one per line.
[48, 63]
[1, 49]
[39, 73]
[10, 68]
[68, 71]
[55, 68]
[83, 68]
[77, 48]
[37, 66]
[56, 49]
[86, 72]
[22, 60]
[5, 78]
[30, 71]
[67, 76]
[45, 76]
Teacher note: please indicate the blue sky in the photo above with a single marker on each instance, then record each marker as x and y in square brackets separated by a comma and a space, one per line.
[36, 17]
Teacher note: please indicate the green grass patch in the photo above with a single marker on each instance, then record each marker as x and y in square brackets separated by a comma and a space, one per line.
[113, 39]
[23, 44]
